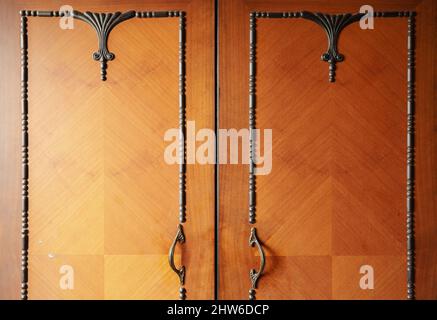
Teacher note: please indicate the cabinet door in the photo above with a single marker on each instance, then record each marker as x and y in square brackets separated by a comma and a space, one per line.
[102, 206]
[352, 147]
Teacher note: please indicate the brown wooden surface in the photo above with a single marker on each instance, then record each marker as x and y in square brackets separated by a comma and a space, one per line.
[236, 258]
[102, 199]
[335, 199]
[426, 154]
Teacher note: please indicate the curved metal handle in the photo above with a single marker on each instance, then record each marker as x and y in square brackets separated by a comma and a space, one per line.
[255, 275]
[180, 238]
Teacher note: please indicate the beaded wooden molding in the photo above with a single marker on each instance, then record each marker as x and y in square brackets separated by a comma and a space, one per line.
[333, 24]
[103, 24]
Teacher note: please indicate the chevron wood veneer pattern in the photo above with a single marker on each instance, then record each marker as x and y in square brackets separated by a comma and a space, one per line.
[337, 187]
[103, 199]
[98, 181]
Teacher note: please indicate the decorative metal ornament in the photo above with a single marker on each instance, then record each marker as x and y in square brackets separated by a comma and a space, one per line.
[333, 25]
[103, 23]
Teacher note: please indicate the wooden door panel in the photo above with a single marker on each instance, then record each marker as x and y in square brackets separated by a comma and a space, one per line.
[45, 276]
[338, 183]
[389, 271]
[64, 127]
[102, 199]
[138, 217]
[335, 199]
[121, 199]
[138, 277]
[296, 277]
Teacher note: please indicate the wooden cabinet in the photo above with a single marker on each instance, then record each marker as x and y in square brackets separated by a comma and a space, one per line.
[103, 205]
[347, 211]
[340, 198]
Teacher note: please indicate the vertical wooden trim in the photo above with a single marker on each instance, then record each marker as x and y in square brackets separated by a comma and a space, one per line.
[252, 106]
[425, 206]
[333, 24]
[410, 157]
[103, 23]
[182, 141]
[217, 157]
[253, 239]
[24, 157]
[182, 120]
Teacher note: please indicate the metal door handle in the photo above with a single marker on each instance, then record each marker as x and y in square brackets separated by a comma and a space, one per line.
[255, 275]
[180, 238]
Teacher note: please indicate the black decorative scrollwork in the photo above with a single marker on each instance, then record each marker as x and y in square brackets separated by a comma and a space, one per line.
[103, 23]
[333, 25]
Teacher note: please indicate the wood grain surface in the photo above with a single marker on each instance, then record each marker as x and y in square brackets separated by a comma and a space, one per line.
[335, 199]
[102, 198]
